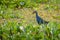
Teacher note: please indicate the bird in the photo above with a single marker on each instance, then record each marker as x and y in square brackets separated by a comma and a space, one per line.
[39, 19]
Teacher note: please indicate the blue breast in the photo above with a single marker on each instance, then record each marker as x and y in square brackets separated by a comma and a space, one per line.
[39, 20]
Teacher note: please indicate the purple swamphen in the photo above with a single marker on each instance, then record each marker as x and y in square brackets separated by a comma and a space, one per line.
[39, 19]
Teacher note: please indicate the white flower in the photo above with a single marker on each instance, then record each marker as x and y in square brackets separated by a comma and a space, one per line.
[22, 28]
[22, 3]
[41, 26]
[28, 33]
[34, 25]
[1, 12]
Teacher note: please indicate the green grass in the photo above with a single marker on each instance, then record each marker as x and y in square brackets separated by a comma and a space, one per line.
[18, 23]
[16, 31]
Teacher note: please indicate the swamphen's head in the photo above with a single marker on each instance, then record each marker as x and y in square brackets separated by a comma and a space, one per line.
[34, 11]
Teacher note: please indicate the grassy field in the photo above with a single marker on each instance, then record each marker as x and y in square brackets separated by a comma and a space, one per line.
[20, 23]
[26, 15]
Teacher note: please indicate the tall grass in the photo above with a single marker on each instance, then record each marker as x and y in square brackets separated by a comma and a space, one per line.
[16, 31]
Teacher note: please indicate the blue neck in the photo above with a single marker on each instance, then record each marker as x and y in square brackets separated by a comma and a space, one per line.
[36, 14]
